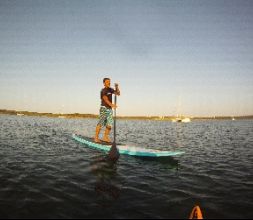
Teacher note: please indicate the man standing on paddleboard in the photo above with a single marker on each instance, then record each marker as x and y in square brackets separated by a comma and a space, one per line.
[105, 113]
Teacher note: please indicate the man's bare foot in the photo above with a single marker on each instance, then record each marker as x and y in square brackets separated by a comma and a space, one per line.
[107, 140]
[97, 140]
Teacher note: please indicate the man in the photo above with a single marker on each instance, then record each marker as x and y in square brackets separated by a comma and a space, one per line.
[105, 113]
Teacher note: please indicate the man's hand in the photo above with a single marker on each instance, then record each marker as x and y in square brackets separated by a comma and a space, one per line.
[114, 106]
[116, 86]
[117, 92]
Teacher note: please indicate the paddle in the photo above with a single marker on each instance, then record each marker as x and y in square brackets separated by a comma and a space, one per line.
[114, 153]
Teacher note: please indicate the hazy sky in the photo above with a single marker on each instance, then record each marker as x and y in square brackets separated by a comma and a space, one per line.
[169, 57]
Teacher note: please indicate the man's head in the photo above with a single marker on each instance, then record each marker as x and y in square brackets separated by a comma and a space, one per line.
[107, 82]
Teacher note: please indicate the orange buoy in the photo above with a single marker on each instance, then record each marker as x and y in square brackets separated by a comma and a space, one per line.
[196, 213]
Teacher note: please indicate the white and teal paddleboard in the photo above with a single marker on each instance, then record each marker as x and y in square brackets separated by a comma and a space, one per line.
[125, 149]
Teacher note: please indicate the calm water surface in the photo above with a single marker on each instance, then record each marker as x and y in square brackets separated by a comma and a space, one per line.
[46, 174]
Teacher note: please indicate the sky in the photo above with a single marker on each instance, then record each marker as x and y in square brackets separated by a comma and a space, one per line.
[192, 58]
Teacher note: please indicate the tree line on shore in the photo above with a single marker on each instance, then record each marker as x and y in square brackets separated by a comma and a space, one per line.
[79, 115]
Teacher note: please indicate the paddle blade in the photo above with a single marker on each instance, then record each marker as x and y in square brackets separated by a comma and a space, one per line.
[114, 153]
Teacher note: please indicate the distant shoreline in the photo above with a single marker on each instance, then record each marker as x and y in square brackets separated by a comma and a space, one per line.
[79, 115]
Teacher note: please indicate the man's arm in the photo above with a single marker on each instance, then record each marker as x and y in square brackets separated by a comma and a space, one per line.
[105, 98]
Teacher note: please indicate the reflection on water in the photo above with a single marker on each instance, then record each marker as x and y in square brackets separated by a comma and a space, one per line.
[107, 190]
[107, 186]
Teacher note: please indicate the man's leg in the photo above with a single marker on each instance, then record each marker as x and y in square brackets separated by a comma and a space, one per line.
[96, 139]
[109, 123]
[106, 134]
[101, 122]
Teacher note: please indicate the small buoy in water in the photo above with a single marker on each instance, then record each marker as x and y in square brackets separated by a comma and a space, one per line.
[196, 213]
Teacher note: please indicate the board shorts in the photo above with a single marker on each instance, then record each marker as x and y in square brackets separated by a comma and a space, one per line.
[105, 117]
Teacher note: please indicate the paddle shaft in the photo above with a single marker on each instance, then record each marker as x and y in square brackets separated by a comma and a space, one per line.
[114, 153]
[114, 127]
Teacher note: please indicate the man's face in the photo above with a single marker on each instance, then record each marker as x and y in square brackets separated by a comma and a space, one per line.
[107, 83]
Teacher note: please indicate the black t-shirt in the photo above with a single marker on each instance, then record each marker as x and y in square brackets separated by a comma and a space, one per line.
[106, 92]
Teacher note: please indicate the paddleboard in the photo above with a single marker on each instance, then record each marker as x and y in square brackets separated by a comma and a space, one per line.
[125, 149]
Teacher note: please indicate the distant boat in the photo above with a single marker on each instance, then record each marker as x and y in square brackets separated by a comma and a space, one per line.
[18, 114]
[185, 120]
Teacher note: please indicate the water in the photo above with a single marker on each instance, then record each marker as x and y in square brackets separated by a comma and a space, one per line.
[46, 174]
